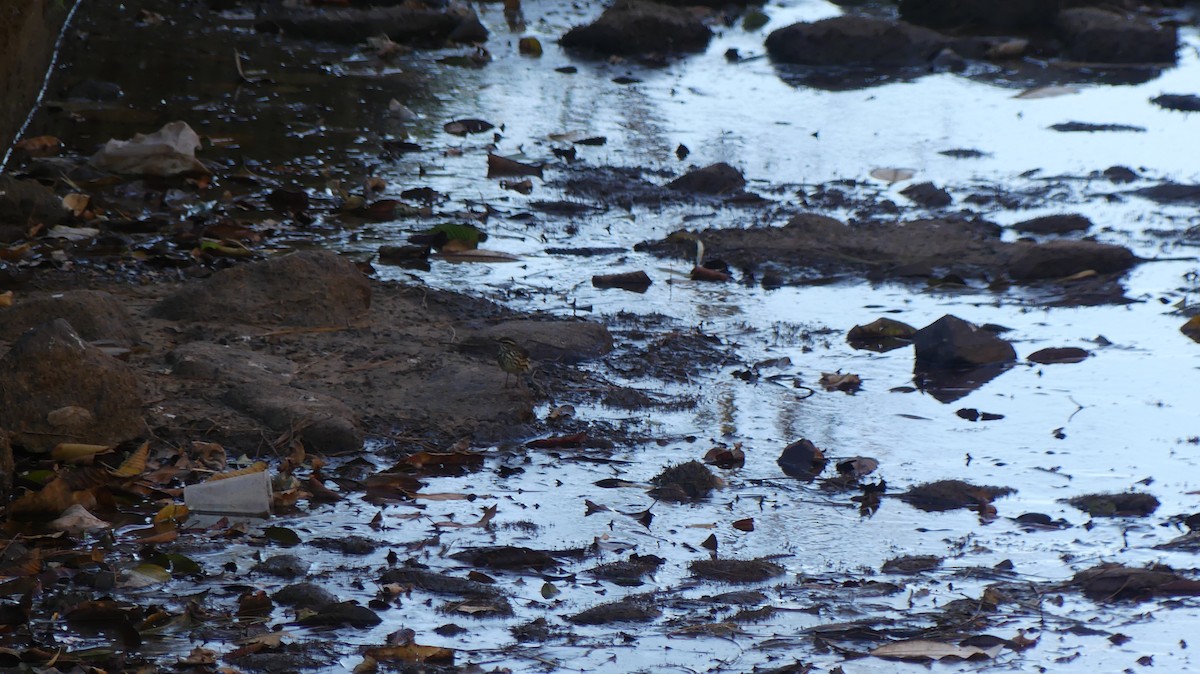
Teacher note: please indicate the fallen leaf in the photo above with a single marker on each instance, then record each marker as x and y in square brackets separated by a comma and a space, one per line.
[561, 412]
[135, 463]
[74, 452]
[503, 166]
[1192, 328]
[921, 649]
[77, 203]
[444, 463]
[49, 501]
[488, 513]
[282, 536]
[319, 493]
[529, 46]
[522, 187]
[199, 657]
[479, 255]
[701, 273]
[856, 467]
[836, 381]
[39, 146]
[256, 467]
[560, 441]
[144, 575]
[462, 127]
[726, 457]
[255, 603]
[15, 253]
[1049, 91]
[444, 496]
[77, 520]
[892, 175]
[411, 653]
[593, 507]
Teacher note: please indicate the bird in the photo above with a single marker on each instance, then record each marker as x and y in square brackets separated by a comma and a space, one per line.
[512, 358]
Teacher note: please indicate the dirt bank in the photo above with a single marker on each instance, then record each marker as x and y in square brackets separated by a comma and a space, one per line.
[28, 30]
[300, 346]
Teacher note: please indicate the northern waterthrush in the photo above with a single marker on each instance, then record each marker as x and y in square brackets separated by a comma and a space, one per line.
[512, 358]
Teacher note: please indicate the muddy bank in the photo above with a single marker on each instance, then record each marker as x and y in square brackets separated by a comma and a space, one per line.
[302, 345]
[27, 35]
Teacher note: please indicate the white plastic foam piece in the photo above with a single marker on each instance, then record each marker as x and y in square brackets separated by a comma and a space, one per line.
[248, 494]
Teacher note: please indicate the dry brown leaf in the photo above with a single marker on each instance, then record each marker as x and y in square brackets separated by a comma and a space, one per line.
[488, 513]
[411, 653]
[856, 467]
[287, 498]
[210, 454]
[318, 492]
[15, 254]
[1192, 328]
[77, 203]
[529, 46]
[77, 452]
[726, 457]
[176, 513]
[135, 464]
[39, 146]
[256, 467]
[49, 501]
[503, 166]
[700, 273]
[478, 255]
[836, 381]
[199, 657]
[6, 299]
[1048, 91]
[442, 462]
[922, 649]
[157, 536]
[892, 175]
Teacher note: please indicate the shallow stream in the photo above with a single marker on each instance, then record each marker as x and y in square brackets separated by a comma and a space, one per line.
[1124, 418]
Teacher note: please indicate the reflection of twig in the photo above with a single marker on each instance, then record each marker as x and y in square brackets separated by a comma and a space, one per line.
[1078, 409]
[237, 60]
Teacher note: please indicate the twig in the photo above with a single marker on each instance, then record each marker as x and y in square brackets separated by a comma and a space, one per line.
[318, 330]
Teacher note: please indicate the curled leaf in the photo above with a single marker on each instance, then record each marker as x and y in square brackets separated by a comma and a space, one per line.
[135, 464]
[176, 512]
[75, 452]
